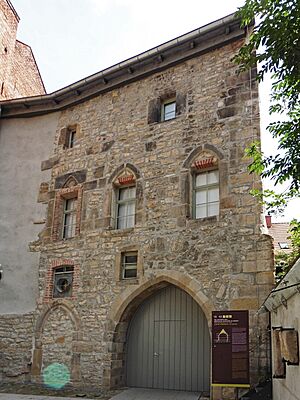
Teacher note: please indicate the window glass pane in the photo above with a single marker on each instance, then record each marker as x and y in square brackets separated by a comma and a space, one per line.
[213, 209]
[123, 194]
[130, 273]
[130, 259]
[121, 224]
[201, 179]
[127, 193]
[200, 197]
[213, 177]
[130, 208]
[131, 192]
[169, 111]
[201, 211]
[122, 210]
[70, 204]
[130, 221]
[213, 194]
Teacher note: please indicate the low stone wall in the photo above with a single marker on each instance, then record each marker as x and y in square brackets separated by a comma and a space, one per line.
[16, 347]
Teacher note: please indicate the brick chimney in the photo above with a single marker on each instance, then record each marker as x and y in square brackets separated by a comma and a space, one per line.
[268, 221]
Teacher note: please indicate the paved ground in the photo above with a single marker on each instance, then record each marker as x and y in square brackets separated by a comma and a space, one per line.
[12, 396]
[129, 394]
[154, 394]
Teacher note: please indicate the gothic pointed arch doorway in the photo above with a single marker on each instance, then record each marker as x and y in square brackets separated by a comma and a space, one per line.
[168, 343]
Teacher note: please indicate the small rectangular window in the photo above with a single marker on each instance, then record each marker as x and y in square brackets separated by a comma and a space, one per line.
[283, 245]
[126, 207]
[71, 137]
[63, 281]
[206, 194]
[129, 265]
[69, 218]
[168, 110]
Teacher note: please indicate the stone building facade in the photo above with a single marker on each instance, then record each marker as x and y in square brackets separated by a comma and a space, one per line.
[19, 74]
[148, 218]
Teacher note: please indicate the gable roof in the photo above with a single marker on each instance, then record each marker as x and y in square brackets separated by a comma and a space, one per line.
[280, 233]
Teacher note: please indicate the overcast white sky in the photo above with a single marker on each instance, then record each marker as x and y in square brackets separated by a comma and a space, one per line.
[72, 39]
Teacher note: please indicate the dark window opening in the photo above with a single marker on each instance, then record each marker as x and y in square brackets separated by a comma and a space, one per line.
[129, 265]
[63, 281]
[71, 138]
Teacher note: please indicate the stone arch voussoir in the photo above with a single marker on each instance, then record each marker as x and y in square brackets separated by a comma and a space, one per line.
[209, 147]
[124, 308]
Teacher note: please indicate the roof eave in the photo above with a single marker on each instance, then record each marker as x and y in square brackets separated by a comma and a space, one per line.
[192, 44]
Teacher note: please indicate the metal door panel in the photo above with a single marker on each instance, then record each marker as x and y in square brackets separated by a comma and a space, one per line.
[168, 344]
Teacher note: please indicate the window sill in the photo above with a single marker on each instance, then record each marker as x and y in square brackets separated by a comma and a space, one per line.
[129, 281]
[164, 121]
[123, 231]
[205, 221]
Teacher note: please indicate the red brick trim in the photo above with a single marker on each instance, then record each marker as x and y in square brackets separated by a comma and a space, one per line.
[60, 197]
[48, 296]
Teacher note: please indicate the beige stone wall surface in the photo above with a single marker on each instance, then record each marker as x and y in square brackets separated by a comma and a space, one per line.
[223, 262]
[16, 332]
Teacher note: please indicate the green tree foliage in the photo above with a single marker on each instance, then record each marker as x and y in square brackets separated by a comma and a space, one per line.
[276, 35]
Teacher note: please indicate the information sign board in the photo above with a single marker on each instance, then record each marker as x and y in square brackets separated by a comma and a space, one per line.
[230, 348]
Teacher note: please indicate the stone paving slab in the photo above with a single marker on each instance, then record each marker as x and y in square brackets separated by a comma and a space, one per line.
[154, 394]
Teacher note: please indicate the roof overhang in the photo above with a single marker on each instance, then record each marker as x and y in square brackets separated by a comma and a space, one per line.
[192, 44]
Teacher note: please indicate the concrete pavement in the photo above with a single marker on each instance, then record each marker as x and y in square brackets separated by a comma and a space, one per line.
[127, 394]
[12, 396]
[156, 394]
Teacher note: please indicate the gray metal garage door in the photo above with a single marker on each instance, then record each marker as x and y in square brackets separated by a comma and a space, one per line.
[168, 344]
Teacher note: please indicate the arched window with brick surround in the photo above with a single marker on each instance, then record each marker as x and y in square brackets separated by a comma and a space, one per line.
[124, 200]
[125, 204]
[67, 210]
[203, 182]
[206, 187]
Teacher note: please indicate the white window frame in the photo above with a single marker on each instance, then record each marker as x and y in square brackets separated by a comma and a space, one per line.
[205, 189]
[71, 137]
[163, 110]
[126, 203]
[69, 213]
[129, 266]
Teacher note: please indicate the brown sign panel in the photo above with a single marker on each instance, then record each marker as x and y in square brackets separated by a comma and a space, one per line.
[230, 348]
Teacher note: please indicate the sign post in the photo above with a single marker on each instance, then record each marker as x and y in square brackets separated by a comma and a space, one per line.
[230, 349]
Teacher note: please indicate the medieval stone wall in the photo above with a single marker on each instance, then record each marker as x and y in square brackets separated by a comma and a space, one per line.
[16, 333]
[223, 262]
[19, 74]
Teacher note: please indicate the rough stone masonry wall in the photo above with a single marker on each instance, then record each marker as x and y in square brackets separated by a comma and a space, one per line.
[8, 32]
[19, 74]
[224, 261]
[16, 333]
